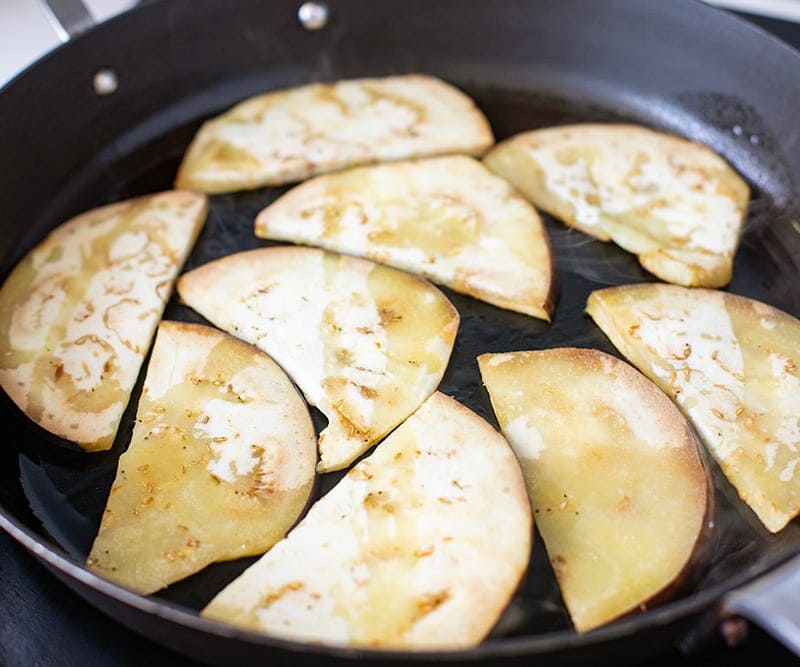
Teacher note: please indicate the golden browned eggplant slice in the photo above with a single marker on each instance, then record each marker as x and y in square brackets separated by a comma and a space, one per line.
[420, 546]
[448, 219]
[676, 204]
[618, 487]
[220, 466]
[730, 363]
[288, 135]
[77, 314]
[365, 343]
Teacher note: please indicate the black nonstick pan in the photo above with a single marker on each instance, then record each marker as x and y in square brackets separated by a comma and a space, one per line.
[108, 116]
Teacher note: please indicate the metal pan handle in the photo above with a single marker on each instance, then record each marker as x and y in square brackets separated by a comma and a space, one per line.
[772, 602]
[69, 17]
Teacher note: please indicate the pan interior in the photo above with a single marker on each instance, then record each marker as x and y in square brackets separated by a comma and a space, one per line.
[60, 492]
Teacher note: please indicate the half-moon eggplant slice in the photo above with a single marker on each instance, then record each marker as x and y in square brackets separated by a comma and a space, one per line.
[676, 204]
[730, 363]
[366, 344]
[448, 219]
[288, 135]
[420, 546]
[619, 490]
[78, 313]
[221, 463]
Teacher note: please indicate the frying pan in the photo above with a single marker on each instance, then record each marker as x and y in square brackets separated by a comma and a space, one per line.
[108, 116]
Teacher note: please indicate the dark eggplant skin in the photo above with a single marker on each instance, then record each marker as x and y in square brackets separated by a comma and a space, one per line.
[698, 561]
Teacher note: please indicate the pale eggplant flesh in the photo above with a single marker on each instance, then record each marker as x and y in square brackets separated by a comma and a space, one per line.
[365, 343]
[731, 364]
[285, 136]
[674, 203]
[619, 489]
[78, 313]
[448, 219]
[420, 546]
[220, 464]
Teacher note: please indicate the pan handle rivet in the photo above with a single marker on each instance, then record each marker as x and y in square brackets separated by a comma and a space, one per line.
[105, 82]
[313, 15]
[734, 630]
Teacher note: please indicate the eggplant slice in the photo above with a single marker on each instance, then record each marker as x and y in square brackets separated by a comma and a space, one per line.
[420, 546]
[288, 135]
[730, 363]
[366, 344]
[221, 463]
[676, 204]
[618, 487]
[448, 219]
[78, 313]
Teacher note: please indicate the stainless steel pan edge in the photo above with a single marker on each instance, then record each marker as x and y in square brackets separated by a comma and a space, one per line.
[767, 600]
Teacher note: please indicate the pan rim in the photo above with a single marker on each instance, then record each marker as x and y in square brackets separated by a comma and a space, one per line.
[501, 647]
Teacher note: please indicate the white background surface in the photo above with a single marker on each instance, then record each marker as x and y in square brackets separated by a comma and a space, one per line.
[779, 9]
[26, 32]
